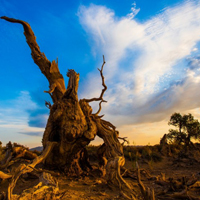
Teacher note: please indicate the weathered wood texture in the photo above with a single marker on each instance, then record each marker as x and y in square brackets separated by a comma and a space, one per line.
[72, 125]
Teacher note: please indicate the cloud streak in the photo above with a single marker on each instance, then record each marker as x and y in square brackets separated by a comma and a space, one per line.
[14, 118]
[32, 133]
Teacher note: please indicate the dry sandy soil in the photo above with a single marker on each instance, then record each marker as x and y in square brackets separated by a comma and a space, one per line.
[93, 187]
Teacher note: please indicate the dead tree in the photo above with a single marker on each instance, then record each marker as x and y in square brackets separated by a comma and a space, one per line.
[72, 125]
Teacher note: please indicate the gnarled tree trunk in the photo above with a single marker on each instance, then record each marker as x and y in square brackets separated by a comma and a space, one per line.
[68, 126]
[71, 123]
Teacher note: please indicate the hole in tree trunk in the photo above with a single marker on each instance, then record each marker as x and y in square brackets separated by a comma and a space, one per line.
[54, 137]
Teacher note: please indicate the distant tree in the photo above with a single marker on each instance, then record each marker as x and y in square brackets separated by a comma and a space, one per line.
[192, 128]
[177, 120]
[176, 137]
[188, 128]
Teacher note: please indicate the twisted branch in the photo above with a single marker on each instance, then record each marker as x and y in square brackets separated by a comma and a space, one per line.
[103, 83]
[124, 140]
[99, 107]
[38, 57]
[48, 104]
[49, 69]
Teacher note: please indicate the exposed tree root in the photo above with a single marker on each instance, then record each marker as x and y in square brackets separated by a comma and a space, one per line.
[5, 175]
[112, 157]
[22, 169]
[47, 188]
[14, 152]
[148, 194]
[8, 156]
[177, 189]
[115, 179]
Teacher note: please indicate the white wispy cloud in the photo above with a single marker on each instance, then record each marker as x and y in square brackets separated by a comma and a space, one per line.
[145, 71]
[134, 11]
[14, 117]
[14, 111]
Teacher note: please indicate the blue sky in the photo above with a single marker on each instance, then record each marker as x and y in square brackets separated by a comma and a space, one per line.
[152, 69]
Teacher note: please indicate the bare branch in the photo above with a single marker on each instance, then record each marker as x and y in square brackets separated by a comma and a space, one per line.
[99, 107]
[124, 139]
[38, 57]
[107, 124]
[103, 83]
[48, 104]
[50, 70]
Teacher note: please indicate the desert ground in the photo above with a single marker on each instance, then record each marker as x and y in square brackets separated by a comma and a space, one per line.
[175, 175]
